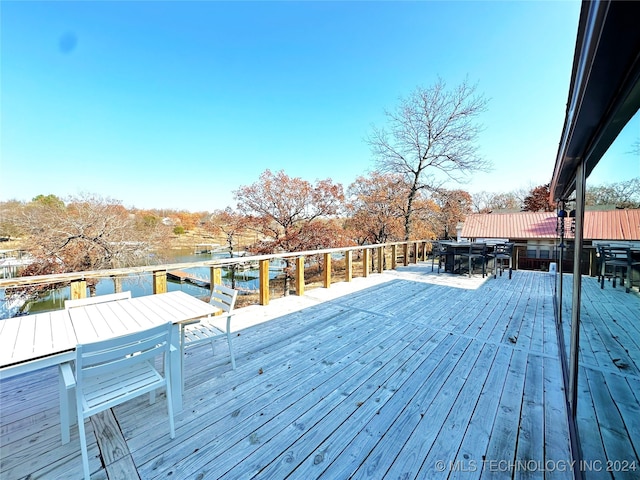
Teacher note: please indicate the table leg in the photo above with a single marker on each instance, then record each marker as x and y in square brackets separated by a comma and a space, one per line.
[176, 370]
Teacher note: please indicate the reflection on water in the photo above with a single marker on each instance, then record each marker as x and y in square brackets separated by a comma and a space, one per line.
[139, 285]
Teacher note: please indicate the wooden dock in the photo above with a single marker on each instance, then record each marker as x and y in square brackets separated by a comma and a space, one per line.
[181, 276]
[207, 248]
[405, 374]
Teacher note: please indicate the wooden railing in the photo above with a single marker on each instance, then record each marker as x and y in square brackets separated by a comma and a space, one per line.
[408, 252]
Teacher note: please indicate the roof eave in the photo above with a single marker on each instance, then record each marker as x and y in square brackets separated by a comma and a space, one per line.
[604, 92]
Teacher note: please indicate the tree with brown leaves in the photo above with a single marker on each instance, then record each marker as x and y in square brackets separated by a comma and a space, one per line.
[290, 214]
[538, 200]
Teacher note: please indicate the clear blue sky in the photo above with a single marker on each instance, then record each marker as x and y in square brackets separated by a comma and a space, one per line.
[177, 104]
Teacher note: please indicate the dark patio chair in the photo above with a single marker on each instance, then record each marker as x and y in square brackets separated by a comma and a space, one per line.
[621, 263]
[502, 252]
[600, 266]
[440, 252]
[477, 253]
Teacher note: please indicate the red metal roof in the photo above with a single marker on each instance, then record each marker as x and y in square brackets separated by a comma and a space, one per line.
[598, 225]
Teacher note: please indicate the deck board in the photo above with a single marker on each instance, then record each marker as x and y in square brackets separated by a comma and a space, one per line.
[405, 371]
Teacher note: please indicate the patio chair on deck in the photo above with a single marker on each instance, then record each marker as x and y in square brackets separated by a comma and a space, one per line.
[477, 253]
[439, 251]
[110, 372]
[620, 261]
[501, 252]
[204, 330]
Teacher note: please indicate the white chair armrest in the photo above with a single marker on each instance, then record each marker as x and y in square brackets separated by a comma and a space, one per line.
[67, 375]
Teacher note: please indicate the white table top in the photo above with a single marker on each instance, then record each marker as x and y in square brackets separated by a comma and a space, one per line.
[36, 341]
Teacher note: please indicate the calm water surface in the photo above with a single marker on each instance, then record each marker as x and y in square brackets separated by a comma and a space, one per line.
[140, 285]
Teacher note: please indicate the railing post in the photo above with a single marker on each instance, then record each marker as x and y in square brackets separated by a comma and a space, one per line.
[348, 265]
[366, 254]
[405, 252]
[380, 259]
[117, 284]
[159, 281]
[327, 270]
[215, 277]
[264, 282]
[415, 252]
[394, 256]
[78, 289]
[300, 276]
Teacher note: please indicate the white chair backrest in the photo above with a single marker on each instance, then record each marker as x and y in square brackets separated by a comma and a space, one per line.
[94, 359]
[224, 298]
[83, 302]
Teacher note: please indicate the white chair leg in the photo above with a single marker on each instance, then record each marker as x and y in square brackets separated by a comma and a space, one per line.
[172, 427]
[233, 359]
[182, 354]
[83, 448]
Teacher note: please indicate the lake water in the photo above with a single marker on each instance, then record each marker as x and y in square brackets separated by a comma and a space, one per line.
[140, 285]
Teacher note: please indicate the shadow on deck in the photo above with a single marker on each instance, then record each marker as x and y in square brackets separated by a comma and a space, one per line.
[405, 374]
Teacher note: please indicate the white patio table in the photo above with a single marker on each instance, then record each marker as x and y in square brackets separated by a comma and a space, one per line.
[32, 342]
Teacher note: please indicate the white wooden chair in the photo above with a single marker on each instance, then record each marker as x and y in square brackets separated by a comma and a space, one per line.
[83, 302]
[110, 372]
[65, 419]
[204, 330]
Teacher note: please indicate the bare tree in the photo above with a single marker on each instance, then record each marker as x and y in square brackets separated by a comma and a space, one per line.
[431, 135]
[232, 225]
[87, 233]
[9, 212]
[487, 202]
[624, 194]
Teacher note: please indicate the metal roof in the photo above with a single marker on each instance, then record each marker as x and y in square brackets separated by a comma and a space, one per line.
[619, 225]
[604, 92]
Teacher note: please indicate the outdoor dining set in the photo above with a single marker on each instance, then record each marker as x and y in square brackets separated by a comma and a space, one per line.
[618, 261]
[460, 257]
[106, 348]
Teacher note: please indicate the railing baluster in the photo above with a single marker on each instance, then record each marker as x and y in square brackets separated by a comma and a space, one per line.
[300, 276]
[159, 281]
[264, 282]
[78, 289]
[327, 270]
[366, 253]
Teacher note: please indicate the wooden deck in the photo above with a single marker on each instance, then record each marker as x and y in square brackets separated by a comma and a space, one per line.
[405, 374]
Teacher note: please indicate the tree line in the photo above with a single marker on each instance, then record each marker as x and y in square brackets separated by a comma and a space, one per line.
[428, 143]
